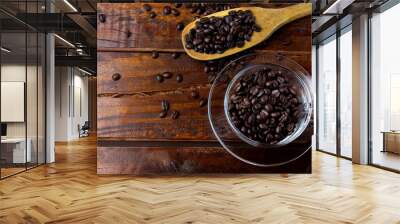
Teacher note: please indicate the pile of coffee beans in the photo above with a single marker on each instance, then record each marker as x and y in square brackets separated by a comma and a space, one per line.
[203, 9]
[264, 106]
[214, 35]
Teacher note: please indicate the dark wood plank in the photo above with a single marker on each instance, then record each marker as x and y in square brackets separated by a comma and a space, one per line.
[138, 71]
[161, 32]
[137, 116]
[183, 160]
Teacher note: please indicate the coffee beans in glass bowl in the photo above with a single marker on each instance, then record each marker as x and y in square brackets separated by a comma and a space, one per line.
[215, 35]
[265, 105]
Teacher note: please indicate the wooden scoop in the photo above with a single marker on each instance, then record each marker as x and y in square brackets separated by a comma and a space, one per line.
[268, 19]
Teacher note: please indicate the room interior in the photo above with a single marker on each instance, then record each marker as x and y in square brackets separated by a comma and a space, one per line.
[49, 117]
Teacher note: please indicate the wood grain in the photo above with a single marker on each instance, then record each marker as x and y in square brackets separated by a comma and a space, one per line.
[128, 109]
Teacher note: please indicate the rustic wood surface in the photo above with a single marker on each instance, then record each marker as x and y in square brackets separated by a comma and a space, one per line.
[128, 108]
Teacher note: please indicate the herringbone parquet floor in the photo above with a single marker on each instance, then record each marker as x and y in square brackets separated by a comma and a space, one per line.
[69, 191]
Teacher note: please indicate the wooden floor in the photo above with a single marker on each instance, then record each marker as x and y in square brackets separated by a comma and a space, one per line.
[69, 191]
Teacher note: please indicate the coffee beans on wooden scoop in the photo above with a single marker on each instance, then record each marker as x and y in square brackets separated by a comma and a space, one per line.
[207, 8]
[264, 106]
[214, 35]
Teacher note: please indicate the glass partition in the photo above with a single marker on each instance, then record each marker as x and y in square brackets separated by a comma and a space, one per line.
[22, 79]
[346, 92]
[326, 136]
[385, 89]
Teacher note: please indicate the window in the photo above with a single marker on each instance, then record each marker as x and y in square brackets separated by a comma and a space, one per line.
[327, 96]
[385, 88]
[346, 92]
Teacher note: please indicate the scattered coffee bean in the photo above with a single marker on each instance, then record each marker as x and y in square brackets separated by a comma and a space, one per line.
[163, 114]
[147, 7]
[164, 105]
[102, 18]
[175, 55]
[154, 54]
[214, 35]
[153, 15]
[116, 77]
[167, 10]
[179, 78]
[159, 78]
[167, 75]
[175, 12]
[203, 102]
[178, 5]
[180, 26]
[194, 94]
[263, 105]
[175, 115]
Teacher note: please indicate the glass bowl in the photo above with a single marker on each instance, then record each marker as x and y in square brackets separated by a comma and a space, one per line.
[240, 146]
[304, 108]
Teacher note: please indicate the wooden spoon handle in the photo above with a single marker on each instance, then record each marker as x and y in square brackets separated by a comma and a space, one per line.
[296, 11]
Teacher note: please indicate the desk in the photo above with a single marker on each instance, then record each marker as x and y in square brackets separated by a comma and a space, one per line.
[391, 141]
[13, 150]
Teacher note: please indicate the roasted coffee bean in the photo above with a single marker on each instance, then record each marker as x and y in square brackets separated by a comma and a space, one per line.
[164, 105]
[167, 75]
[102, 18]
[153, 15]
[175, 55]
[175, 115]
[163, 114]
[180, 26]
[263, 106]
[203, 102]
[179, 78]
[194, 94]
[128, 33]
[175, 12]
[215, 35]
[178, 5]
[154, 54]
[167, 10]
[147, 7]
[159, 78]
[116, 77]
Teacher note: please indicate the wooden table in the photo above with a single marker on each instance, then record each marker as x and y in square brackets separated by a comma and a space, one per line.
[132, 139]
[391, 141]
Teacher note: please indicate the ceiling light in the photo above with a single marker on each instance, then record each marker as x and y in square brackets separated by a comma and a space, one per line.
[65, 41]
[5, 50]
[70, 5]
[84, 71]
[337, 7]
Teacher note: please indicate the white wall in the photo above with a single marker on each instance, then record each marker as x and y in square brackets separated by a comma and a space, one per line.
[70, 109]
